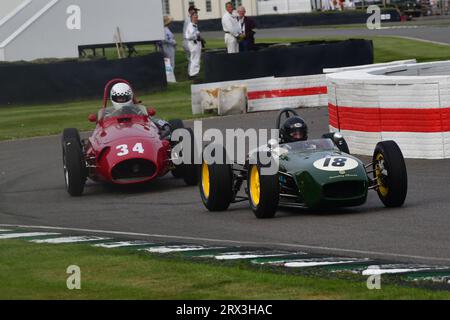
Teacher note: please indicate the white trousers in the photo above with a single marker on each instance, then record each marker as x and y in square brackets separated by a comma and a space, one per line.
[186, 48]
[195, 50]
[231, 43]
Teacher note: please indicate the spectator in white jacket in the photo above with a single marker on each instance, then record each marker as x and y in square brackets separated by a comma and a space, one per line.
[232, 29]
[187, 21]
[194, 44]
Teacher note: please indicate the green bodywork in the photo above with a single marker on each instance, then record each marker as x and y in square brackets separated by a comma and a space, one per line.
[319, 188]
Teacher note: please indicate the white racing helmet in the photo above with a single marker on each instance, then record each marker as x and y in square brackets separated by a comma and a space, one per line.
[121, 95]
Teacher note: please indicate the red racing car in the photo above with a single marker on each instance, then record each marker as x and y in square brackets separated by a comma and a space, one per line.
[128, 146]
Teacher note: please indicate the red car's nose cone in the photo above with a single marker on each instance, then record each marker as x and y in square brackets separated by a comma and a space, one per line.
[133, 153]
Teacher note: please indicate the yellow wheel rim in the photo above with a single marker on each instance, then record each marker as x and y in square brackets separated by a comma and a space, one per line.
[205, 179]
[255, 191]
[382, 188]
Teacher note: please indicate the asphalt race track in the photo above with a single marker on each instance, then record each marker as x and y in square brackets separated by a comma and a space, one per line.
[434, 33]
[32, 193]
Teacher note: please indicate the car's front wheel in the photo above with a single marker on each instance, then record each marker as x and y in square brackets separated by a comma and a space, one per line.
[390, 174]
[74, 166]
[263, 192]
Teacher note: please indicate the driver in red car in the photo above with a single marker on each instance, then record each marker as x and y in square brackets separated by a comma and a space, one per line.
[122, 99]
[121, 95]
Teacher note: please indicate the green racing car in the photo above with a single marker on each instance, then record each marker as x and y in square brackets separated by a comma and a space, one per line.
[315, 174]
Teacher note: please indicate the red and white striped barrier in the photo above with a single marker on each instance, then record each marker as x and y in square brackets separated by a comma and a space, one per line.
[409, 104]
[294, 92]
[267, 94]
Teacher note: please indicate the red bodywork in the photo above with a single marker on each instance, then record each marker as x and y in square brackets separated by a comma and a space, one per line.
[126, 149]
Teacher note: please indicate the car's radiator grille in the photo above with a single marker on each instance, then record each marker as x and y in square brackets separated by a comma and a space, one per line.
[133, 169]
[344, 189]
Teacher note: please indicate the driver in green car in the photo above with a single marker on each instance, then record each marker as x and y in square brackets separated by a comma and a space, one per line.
[294, 129]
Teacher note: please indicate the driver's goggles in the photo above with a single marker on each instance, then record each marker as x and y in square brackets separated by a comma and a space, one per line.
[121, 99]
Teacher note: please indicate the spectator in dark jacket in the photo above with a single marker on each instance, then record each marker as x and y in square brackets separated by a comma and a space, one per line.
[247, 24]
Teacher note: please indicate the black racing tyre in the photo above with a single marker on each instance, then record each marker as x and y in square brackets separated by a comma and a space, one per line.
[341, 144]
[189, 171]
[74, 166]
[390, 173]
[216, 185]
[263, 192]
[176, 124]
[71, 134]
[177, 172]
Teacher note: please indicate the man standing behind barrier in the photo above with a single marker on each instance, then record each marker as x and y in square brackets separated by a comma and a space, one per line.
[187, 21]
[247, 25]
[194, 44]
[232, 29]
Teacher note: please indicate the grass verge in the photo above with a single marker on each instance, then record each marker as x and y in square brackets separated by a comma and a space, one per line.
[36, 271]
[21, 121]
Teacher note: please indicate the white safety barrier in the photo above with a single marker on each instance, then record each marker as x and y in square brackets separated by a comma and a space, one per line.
[232, 100]
[293, 92]
[407, 103]
[370, 66]
[267, 94]
[198, 92]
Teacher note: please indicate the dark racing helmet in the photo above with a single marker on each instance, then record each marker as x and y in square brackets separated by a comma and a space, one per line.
[294, 129]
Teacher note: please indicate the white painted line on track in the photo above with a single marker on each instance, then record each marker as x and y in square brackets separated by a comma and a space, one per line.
[121, 244]
[70, 239]
[419, 39]
[399, 268]
[312, 262]
[441, 279]
[25, 235]
[181, 248]
[280, 244]
[304, 264]
[248, 255]
[400, 27]
[4, 230]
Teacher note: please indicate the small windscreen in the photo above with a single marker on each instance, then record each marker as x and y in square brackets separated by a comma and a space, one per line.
[135, 109]
[310, 145]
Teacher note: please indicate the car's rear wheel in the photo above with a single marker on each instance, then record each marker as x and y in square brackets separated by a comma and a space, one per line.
[263, 192]
[175, 124]
[390, 174]
[74, 166]
[177, 173]
[216, 185]
[189, 171]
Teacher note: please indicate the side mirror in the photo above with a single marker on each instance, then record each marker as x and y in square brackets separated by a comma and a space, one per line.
[151, 112]
[92, 117]
[337, 136]
[272, 143]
